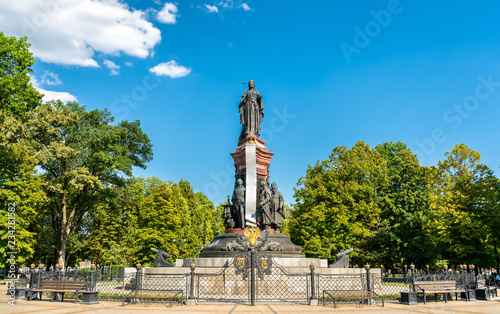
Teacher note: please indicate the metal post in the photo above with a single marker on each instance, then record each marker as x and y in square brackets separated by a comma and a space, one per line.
[137, 277]
[39, 277]
[368, 283]
[58, 272]
[92, 278]
[412, 268]
[314, 299]
[121, 274]
[252, 276]
[32, 275]
[191, 300]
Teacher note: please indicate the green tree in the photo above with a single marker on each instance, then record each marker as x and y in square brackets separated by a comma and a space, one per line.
[160, 220]
[338, 203]
[17, 95]
[81, 154]
[462, 207]
[20, 186]
[19, 183]
[404, 220]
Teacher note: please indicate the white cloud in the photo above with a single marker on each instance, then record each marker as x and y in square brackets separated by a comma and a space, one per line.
[168, 14]
[245, 7]
[211, 8]
[50, 78]
[226, 4]
[171, 69]
[112, 66]
[71, 31]
[51, 95]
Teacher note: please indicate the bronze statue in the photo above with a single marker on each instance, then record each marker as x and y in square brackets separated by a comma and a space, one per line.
[277, 207]
[229, 215]
[239, 202]
[251, 111]
[265, 214]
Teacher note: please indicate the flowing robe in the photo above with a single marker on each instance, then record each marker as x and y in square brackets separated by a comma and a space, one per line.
[251, 110]
[239, 202]
[278, 208]
[265, 207]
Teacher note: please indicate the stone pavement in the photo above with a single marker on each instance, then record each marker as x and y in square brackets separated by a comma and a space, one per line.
[45, 306]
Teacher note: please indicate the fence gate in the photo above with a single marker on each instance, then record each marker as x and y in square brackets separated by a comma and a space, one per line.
[224, 286]
[233, 283]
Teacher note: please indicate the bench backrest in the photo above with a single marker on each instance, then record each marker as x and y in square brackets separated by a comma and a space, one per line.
[436, 285]
[63, 284]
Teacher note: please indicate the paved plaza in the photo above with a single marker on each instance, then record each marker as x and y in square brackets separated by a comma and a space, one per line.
[45, 306]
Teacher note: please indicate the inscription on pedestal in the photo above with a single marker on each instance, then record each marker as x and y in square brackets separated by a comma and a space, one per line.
[251, 184]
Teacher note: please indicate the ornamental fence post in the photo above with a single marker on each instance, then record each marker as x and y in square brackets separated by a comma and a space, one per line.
[191, 299]
[314, 299]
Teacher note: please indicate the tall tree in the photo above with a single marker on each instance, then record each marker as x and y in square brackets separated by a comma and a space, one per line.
[404, 221]
[81, 153]
[338, 204]
[20, 190]
[19, 183]
[17, 95]
[461, 207]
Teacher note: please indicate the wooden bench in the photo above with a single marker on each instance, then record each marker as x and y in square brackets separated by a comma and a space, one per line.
[59, 286]
[439, 287]
[337, 295]
[149, 295]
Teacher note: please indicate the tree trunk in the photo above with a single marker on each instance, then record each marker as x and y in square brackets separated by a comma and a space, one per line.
[62, 251]
[66, 224]
[63, 238]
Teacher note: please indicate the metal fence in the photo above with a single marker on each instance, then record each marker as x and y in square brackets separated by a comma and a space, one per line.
[232, 284]
[228, 285]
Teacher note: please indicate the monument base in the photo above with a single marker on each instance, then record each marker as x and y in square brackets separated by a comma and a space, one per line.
[409, 298]
[226, 245]
[219, 262]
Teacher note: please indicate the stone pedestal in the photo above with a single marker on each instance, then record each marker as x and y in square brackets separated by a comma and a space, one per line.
[225, 245]
[90, 297]
[409, 298]
[313, 302]
[262, 153]
[472, 295]
[21, 293]
[483, 294]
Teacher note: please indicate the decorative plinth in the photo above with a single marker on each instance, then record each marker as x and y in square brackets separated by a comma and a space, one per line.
[216, 263]
[472, 295]
[263, 157]
[226, 245]
[409, 298]
[90, 297]
[21, 293]
[484, 294]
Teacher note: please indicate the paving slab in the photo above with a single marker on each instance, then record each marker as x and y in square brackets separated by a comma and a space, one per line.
[45, 306]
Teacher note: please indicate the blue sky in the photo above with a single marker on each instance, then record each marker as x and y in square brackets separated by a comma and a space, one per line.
[331, 73]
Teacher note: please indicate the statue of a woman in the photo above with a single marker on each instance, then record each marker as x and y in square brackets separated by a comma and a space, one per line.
[251, 111]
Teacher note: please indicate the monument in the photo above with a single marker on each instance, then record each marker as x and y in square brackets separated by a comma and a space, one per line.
[254, 202]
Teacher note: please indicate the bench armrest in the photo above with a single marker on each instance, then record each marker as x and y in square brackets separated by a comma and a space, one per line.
[417, 286]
